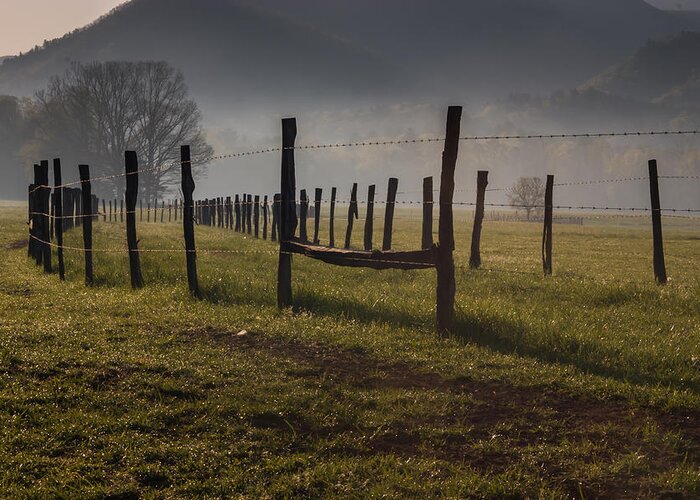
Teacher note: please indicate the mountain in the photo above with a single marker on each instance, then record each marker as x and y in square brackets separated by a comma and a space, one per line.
[231, 53]
[472, 48]
[282, 55]
[661, 71]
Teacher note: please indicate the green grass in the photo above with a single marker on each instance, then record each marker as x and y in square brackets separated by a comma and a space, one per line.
[580, 385]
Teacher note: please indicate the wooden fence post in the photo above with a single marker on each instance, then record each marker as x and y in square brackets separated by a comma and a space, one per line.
[256, 216]
[389, 215]
[317, 214]
[482, 181]
[352, 215]
[444, 261]
[548, 232]
[657, 231]
[249, 214]
[188, 221]
[30, 220]
[52, 218]
[87, 222]
[162, 211]
[265, 217]
[176, 208]
[331, 238]
[244, 212]
[58, 212]
[45, 196]
[428, 205]
[132, 191]
[104, 210]
[237, 209]
[276, 203]
[303, 214]
[369, 219]
[288, 212]
[34, 217]
[148, 212]
[227, 210]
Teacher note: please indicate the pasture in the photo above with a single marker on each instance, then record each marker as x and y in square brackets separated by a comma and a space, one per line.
[583, 384]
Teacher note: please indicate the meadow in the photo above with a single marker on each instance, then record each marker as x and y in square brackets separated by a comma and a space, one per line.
[580, 385]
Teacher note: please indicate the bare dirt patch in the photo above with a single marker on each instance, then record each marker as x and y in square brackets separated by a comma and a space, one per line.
[16, 245]
[521, 417]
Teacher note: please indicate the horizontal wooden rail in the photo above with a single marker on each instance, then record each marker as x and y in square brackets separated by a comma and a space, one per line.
[418, 259]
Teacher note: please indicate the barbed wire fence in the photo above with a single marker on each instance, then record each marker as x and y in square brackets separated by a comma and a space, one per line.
[56, 207]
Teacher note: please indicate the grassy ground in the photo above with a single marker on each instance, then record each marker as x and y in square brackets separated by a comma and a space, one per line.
[583, 385]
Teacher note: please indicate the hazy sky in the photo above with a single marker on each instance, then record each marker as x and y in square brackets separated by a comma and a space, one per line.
[26, 23]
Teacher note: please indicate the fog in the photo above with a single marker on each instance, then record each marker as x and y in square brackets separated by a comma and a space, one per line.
[353, 71]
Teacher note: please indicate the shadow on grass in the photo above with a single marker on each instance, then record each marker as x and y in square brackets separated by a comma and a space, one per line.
[508, 337]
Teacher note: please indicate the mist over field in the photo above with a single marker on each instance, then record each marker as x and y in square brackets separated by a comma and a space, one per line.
[362, 70]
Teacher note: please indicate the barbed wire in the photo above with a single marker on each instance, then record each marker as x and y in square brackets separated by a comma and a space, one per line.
[390, 142]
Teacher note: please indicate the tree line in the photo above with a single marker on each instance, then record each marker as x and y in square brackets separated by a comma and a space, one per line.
[96, 111]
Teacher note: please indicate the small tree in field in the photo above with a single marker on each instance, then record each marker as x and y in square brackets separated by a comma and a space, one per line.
[527, 194]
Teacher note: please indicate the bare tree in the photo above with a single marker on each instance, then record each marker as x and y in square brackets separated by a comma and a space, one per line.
[95, 112]
[527, 194]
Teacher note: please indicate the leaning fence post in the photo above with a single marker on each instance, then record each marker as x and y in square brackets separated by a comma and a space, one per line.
[428, 205]
[45, 195]
[444, 259]
[331, 238]
[188, 220]
[389, 215]
[352, 215]
[659, 259]
[132, 190]
[265, 217]
[548, 220]
[482, 181]
[87, 221]
[317, 214]
[303, 214]
[369, 219]
[58, 213]
[288, 213]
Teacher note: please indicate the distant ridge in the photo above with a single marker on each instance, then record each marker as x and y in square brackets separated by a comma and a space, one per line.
[279, 54]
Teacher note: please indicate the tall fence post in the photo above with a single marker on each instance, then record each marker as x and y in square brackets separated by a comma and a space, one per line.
[188, 220]
[265, 217]
[58, 213]
[369, 218]
[45, 195]
[548, 232]
[389, 215]
[428, 205]
[318, 195]
[444, 261]
[482, 181]
[104, 210]
[288, 212]
[132, 191]
[303, 215]
[659, 259]
[87, 221]
[352, 215]
[331, 237]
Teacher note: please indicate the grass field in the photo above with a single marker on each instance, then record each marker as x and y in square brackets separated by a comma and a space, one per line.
[585, 384]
